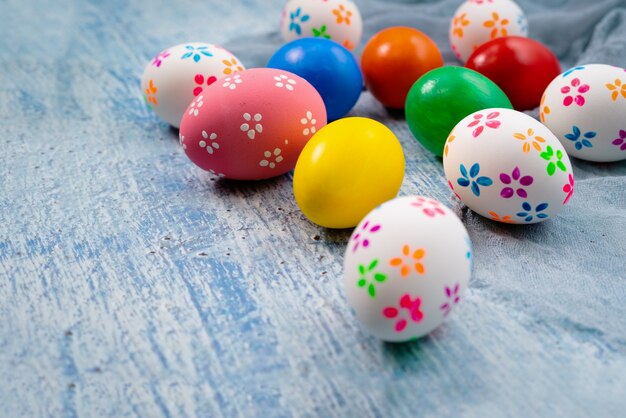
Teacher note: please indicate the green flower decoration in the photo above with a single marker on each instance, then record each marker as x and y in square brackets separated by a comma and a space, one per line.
[549, 155]
[373, 277]
[321, 32]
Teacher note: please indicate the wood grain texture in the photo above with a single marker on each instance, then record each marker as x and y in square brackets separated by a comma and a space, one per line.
[134, 284]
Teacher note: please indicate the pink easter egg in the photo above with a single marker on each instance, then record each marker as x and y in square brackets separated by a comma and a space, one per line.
[254, 126]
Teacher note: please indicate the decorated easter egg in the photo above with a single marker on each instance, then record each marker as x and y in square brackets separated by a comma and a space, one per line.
[178, 74]
[585, 107]
[328, 66]
[444, 96]
[348, 168]
[407, 264]
[521, 67]
[251, 125]
[478, 21]
[508, 167]
[339, 20]
[394, 59]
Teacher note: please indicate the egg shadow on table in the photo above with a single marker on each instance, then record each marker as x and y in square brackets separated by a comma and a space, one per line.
[223, 186]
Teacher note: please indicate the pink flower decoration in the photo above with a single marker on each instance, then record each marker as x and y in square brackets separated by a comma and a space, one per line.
[361, 239]
[199, 79]
[411, 306]
[158, 60]
[569, 189]
[454, 191]
[620, 141]
[429, 207]
[490, 122]
[574, 97]
[453, 298]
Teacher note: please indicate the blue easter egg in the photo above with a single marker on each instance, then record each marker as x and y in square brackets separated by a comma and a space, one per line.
[328, 66]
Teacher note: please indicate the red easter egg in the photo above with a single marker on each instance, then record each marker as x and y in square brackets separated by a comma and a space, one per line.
[252, 125]
[521, 67]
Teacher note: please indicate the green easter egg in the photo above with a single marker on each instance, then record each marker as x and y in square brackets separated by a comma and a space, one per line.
[442, 97]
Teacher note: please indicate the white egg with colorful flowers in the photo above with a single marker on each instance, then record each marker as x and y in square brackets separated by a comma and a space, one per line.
[508, 167]
[585, 107]
[406, 267]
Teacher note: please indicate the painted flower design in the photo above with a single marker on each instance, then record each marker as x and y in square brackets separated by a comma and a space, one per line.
[342, 14]
[181, 140]
[320, 32]
[497, 26]
[196, 52]
[507, 219]
[284, 81]
[543, 109]
[569, 188]
[574, 93]
[369, 277]
[448, 142]
[348, 45]
[490, 121]
[473, 179]
[528, 214]
[529, 139]
[458, 23]
[232, 82]
[232, 66]
[194, 108]
[252, 124]
[550, 155]
[453, 191]
[452, 294]
[220, 175]
[430, 207]
[209, 142]
[522, 22]
[509, 181]
[297, 18]
[408, 306]
[362, 237]
[620, 141]
[271, 158]
[571, 70]
[151, 92]
[199, 80]
[617, 88]
[158, 60]
[309, 124]
[409, 260]
[580, 140]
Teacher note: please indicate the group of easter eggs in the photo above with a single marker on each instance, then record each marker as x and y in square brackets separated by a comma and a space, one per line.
[409, 259]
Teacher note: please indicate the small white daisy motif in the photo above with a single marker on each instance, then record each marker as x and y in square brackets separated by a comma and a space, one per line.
[306, 121]
[209, 142]
[231, 82]
[284, 81]
[269, 155]
[252, 124]
[194, 109]
[221, 175]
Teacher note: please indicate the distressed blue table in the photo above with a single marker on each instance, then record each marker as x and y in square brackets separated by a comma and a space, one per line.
[134, 284]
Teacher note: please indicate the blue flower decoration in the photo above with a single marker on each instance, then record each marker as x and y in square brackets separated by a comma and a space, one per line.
[473, 179]
[579, 142]
[528, 214]
[196, 53]
[571, 70]
[296, 20]
[522, 22]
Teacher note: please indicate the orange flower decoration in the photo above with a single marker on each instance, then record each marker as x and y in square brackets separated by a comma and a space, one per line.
[529, 139]
[448, 141]
[506, 218]
[458, 23]
[232, 66]
[151, 94]
[543, 110]
[497, 25]
[342, 14]
[617, 88]
[409, 261]
[348, 45]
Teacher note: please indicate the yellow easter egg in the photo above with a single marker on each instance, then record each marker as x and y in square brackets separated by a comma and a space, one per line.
[346, 169]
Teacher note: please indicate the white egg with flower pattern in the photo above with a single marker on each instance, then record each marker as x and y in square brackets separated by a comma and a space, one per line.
[406, 267]
[476, 22]
[508, 167]
[339, 20]
[585, 107]
[178, 74]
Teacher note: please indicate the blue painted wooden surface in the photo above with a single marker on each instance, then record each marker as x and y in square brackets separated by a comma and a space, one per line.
[133, 284]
